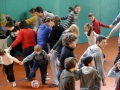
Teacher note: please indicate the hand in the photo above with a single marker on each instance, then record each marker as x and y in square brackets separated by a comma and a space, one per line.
[107, 37]
[10, 48]
[17, 23]
[111, 26]
[48, 55]
[21, 63]
[104, 84]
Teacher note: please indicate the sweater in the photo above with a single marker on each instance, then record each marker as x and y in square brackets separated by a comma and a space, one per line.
[116, 75]
[39, 20]
[43, 33]
[117, 19]
[97, 54]
[71, 19]
[39, 58]
[65, 53]
[89, 78]
[92, 38]
[67, 80]
[55, 35]
[31, 20]
[27, 37]
[96, 25]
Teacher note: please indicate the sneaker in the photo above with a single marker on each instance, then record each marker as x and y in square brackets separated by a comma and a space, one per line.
[14, 84]
[27, 80]
[47, 78]
[53, 85]
[44, 83]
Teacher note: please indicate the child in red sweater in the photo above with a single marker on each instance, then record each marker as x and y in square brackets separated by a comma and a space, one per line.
[96, 23]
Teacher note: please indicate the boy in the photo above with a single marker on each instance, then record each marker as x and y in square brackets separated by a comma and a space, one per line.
[69, 42]
[67, 79]
[88, 76]
[40, 59]
[96, 23]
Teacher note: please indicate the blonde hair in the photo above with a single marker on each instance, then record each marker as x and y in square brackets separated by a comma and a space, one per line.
[37, 48]
[73, 29]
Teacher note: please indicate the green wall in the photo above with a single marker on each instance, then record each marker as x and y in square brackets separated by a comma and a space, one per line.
[104, 10]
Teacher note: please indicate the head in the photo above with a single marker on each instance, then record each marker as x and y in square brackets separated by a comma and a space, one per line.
[69, 39]
[101, 41]
[77, 8]
[117, 66]
[88, 61]
[10, 25]
[37, 49]
[91, 16]
[23, 24]
[56, 20]
[39, 11]
[73, 29]
[2, 52]
[88, 28]
[49, 21]
[32, 12]
[70, 64]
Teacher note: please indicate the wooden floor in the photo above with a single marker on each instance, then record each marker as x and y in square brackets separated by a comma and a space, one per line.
[110, 52]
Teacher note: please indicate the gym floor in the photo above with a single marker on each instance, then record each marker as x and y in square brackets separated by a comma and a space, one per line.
[110, 51]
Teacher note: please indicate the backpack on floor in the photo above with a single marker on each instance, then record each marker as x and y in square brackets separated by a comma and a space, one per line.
[118, 85]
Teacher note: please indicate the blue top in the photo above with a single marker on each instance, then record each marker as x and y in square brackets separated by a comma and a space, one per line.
[43, 33]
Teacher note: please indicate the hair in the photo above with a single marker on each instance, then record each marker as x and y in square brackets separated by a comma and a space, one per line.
[32, 10]
[90, 27]
[23, 24]
[100, 38]
[87, 60]
[73, 29]
[90, 14]
[56, 20]
[9, 24]
[37, 48]
[48, 19]
[2, 52]
[39, 9]
[72, 9]
[70, 63]
[68, 38]
[117, 70]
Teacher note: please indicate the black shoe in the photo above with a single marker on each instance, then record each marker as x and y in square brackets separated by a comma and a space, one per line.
[27, 79]
[53, 85]
[44, 83]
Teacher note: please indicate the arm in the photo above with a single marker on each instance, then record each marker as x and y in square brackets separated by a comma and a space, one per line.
[29, 57]
[103, 25]
[95, 34]
[98, 77]
[71, 84]
[117, 19]
[45, 54]
[51, 36]
[77, 74]
[31, 20]
[112, 73]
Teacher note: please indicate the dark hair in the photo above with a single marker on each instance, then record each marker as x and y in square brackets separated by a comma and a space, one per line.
[116, 69]
[90, 14]
[23, 24]
[72, 9]
[100, 38]
[90, 27]
[9, 24]
[39, 9]
[32, 10]
[2, 52]
[68, 38]
[70, 63]
[87, 60]
[56, 20]
[48, 19]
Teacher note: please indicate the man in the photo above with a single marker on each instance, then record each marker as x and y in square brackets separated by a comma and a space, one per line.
[41, 16]
[96, 52]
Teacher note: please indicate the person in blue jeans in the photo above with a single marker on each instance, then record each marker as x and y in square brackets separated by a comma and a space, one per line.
[40, 58]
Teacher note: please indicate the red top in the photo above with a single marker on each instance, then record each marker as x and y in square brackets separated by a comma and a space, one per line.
[27, 37]
[97, 24]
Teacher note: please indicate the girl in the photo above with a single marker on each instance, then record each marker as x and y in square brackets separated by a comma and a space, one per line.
[115, 72]
[72, 17]
[91, 35]
[7, 61]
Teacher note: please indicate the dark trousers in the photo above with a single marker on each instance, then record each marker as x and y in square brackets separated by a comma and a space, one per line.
[9, 72]
[15, 49]
[118, 56]
[42, 68]
[28, 65]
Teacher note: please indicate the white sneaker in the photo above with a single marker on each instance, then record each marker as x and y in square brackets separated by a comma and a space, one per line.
[14, 84]
[47, 78]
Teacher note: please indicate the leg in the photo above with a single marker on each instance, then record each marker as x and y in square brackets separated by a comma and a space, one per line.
[43, 70]
[5, 68]
[31, 66]
[118, 56]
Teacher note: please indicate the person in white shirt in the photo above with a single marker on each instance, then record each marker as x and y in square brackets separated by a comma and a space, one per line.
[7, 61]
[91, 35]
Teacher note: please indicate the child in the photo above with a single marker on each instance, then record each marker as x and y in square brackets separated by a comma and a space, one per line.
[7, 61]
[69, 42]
[115, 72]
[67, 79]
[89, 77]
[40, 61]
[96, 23]
[91, 35]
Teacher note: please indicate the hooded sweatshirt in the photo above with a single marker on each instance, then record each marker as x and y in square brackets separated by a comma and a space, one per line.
[67, 80]
[43, 33]
[97, 54]
[89, 78]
